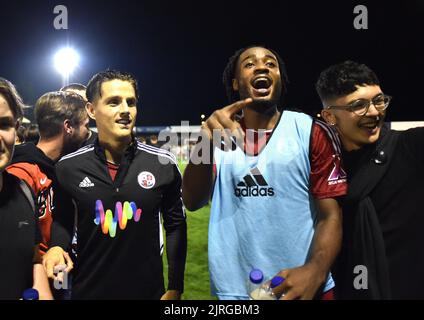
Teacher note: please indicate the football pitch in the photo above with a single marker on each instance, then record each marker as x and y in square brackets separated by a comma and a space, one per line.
[196, 284]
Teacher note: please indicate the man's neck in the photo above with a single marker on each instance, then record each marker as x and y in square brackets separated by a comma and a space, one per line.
[349, 147]
[52, 148]
[255, 120]
[114, 149]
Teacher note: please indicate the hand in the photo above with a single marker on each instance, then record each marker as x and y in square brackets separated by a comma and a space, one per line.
[54, 257]
[171, 295]
[300, 283]
[224, 119]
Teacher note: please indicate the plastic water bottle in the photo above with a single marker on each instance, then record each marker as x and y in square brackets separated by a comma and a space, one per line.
[258, 290]
[275, 282]
[30, 294]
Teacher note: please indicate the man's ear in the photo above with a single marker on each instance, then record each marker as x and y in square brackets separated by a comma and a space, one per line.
[67, 126]
[90, 110]
[329, 117]
[235, 85]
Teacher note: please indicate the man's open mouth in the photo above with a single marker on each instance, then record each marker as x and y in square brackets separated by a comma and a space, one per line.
[370, 125]
[124, 121]
[261, 83]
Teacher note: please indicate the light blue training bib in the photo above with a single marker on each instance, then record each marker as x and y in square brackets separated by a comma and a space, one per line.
[262, 213]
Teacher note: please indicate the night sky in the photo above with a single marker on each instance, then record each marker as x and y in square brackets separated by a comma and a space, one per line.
[177, 50]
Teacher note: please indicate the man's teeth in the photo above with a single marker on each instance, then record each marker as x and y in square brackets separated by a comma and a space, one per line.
[370, 125]
[261, 83]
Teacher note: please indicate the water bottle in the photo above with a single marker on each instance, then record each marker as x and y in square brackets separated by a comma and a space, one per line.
[30, 294]
[258, 290]
[275, 282]
[256, 278]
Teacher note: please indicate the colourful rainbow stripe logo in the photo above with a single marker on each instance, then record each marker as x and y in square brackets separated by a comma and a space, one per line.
[108, 221]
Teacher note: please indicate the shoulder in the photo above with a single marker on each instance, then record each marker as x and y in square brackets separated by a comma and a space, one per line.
[31, 174]
[324, 133]
[23, 169]
[80, 153]
[163, 156]
[324, 128]
[413, 134]
[296, 120]
[162, 162]
[410, 142]
[24, 148]
[297, 115]
[26, 152]
[75, 159]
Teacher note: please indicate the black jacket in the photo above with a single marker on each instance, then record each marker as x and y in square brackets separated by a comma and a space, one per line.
[383, 219]
[28, 152]
[119, 222]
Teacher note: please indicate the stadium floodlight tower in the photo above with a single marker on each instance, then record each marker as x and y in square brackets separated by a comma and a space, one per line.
[65, 62]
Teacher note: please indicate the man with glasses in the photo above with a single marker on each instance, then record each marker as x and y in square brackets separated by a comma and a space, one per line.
[381, 256]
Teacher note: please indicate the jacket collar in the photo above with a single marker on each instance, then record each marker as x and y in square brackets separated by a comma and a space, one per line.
[128, 155]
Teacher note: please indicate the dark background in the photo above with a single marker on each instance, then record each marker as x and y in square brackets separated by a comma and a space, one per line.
[178, 49]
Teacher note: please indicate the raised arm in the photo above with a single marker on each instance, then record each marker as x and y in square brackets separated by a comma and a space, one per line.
[199, 176]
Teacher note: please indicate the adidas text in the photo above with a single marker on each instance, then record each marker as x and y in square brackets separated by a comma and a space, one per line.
[254, 192]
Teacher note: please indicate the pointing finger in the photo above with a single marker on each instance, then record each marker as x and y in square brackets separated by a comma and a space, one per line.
[69, 263]
[237, 106]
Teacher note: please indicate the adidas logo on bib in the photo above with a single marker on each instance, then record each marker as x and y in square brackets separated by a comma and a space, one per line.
[254, 185]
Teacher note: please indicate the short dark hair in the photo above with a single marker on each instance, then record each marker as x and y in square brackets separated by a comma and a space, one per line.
[341, 79]
[32, 134]
[74, 86]
[11, 95]
[230, 70]
[52, 108]
[20, 133]
[95, 84]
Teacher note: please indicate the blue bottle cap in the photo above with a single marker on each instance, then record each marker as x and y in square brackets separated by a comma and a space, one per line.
[276, 281]
[30, 294]
[256, 276]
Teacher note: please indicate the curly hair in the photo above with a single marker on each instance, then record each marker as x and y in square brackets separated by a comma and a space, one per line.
[341, 79]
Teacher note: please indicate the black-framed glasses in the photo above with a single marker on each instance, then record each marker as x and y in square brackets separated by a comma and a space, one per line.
[360, 107]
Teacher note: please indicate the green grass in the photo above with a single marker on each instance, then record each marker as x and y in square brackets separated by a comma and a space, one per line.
[196, 284]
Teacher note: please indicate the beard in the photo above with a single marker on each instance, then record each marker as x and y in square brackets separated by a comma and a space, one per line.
[264, 107]
[72, 144]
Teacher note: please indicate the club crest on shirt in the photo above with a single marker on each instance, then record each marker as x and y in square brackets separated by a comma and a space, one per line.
[146, 180]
